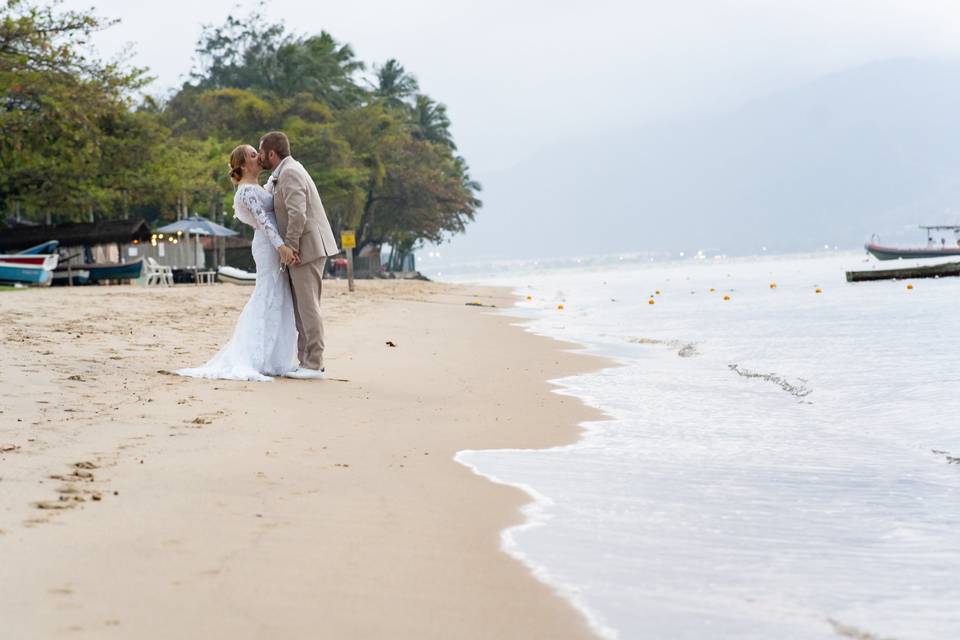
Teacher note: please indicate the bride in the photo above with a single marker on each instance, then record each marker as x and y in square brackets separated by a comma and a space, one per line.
[264, 342]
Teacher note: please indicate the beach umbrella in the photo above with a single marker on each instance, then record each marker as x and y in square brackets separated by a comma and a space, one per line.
[197, 225]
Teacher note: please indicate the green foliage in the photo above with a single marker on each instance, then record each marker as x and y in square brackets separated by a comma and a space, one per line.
[57, 108]
[262, 57]
[431, 123]
[383, 159]
[394, 85]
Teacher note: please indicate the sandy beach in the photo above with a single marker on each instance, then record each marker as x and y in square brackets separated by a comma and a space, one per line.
[138, 504]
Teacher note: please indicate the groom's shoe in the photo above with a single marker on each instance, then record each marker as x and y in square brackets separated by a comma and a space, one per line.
[307, 374]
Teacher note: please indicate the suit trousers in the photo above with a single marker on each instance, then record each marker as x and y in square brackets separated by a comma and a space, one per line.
[306, 284]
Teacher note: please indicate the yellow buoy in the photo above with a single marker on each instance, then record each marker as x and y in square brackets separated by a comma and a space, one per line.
[651, 301]
[773, 285]
[712, 289]
[529, 297]
[819, 290]
[560, 307]
[657, 292]
[909, 286]
[726, 297]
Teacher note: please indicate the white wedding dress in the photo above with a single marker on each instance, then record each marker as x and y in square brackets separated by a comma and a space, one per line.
[264, 342]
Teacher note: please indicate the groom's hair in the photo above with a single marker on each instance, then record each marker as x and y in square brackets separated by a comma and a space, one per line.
[276, 141]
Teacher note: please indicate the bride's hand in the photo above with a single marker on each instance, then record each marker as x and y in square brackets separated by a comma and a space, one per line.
[287, 255]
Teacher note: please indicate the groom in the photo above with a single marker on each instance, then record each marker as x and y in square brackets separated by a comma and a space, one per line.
[308, 240]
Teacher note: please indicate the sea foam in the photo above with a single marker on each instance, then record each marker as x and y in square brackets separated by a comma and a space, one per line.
[778, 464]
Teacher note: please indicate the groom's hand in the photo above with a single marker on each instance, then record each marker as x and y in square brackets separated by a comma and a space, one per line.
[287, 255]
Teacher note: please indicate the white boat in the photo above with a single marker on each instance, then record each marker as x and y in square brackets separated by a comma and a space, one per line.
[232, 275]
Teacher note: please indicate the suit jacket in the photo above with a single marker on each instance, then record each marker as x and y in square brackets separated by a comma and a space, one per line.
[300, 215]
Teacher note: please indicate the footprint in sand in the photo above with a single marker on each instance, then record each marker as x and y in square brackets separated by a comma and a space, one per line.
[63, 503]
[77, 476]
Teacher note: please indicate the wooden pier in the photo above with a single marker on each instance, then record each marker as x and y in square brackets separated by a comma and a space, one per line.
[932, 271]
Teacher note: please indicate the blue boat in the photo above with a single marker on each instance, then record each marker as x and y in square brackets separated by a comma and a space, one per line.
[47, 247]
[112, 271]
[94, 272]
[24, 274]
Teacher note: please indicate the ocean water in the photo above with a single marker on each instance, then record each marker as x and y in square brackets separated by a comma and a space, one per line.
[782, 464]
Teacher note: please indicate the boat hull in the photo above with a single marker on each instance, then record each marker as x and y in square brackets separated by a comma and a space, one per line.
[230, 275]
[47, 247]
[111, 271]
[881, 252]
[47, 261]
[24, 274]
[74, 276]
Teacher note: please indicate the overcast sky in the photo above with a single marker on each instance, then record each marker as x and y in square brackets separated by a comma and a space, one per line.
[519, 75]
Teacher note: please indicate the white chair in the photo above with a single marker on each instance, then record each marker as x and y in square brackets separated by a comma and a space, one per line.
[158, 274]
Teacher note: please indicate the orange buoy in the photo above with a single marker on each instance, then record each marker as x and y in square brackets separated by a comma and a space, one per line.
[726, 297]
[651, 301]
[560, 307]
[773, 285]
[819, 290]
[909, 286]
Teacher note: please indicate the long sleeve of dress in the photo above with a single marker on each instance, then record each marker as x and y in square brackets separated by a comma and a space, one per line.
[250, 210]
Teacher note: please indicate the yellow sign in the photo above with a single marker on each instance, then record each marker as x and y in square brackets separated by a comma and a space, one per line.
[348, 239]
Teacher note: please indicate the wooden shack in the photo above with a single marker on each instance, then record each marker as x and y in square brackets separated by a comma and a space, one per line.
[106, 241]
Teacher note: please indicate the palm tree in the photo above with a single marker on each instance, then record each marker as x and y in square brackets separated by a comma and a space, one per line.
[320, 66]
[394, 85]
[431, 122]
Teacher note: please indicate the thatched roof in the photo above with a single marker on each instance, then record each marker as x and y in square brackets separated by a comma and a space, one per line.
[85, 234]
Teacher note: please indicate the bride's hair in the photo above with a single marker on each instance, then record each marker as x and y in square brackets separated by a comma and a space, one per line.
[238, 157]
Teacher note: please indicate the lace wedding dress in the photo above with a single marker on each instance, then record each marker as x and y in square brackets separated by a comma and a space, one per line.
[264, 342]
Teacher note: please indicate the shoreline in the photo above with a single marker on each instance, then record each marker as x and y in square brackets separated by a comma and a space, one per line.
[237, 514]
[535, 510]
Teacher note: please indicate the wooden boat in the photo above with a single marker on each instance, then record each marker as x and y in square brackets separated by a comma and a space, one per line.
[232, 275]
[111, 270]
[63, 277]
[930, 271]
[35, 274]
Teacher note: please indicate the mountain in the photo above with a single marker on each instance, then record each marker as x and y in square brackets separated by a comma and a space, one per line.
[872, 149]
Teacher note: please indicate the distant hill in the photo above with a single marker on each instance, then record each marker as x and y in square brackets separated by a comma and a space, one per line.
[873, 149]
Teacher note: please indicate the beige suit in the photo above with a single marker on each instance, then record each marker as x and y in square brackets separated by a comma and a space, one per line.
[304, 227]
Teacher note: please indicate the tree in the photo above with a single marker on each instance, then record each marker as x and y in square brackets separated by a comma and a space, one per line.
[232, 114]
[430, 122]
[73, 143]
[262, 57]
[394, 85]
[54, 101]
[416, 190]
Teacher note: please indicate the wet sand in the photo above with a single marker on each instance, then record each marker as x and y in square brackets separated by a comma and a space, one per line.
[137, 504]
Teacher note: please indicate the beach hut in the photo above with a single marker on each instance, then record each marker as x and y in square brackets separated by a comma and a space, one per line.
[106, 241]
[103, 242]
[193, 227]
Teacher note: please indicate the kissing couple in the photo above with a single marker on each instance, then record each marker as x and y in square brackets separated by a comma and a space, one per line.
[291, 243]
